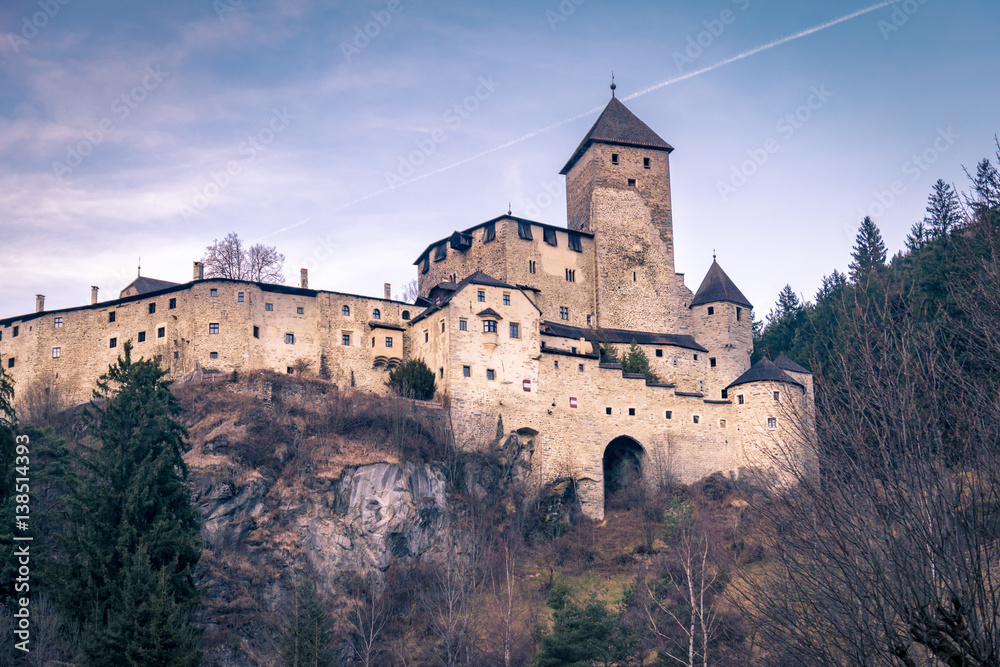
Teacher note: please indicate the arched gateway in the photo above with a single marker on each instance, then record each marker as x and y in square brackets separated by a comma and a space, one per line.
[623, 458]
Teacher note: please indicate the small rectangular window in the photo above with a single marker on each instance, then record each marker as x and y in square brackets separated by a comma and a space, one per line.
[440, 252]
[506, 299]
[772, 422]
[299, 310]
[696, 357]
[739, 314]
[695, 418]
[480, 295]
[490, 326]
[289, 339]
[711, 310]
[152, 308]
[631, 412]
[213, 355]
[739, 399]
[776, 396]
[463, 325]
[490, 374]
[711, 362]
[563, 312]
[289, 370]
[555, 363]
[524, 230]
[722, 423]
[427, 336]
[345, 310]
[442, 326]
[10, 362]
[215, 292]
[571, 275]
[725, 393]
[142, 336]
[345, 339]
[588, 320]
[56, 352]
[113, 342]
[489, 232]
[111, 318]
[659, 353]
[531, 266]
[645, 163]
[607, 411]
[172, 304]
[239, 297]
[213, 328]
[58, 322]
[614, 158]
[515, 330]
[467, 371]
[161, 332]
[176, 355]
[668, 414]
[268, 306]
[580, 367]
[631, 182]
[256, 332]
[441, 372]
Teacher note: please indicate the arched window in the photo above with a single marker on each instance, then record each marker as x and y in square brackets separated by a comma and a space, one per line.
[345, 311]
[376, 315]
[406, 314]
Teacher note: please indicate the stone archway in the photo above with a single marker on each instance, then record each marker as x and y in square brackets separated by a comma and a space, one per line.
[623, 458]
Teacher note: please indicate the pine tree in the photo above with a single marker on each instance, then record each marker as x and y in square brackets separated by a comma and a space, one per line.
[636, 361]
[944, 212]
[917, 238]
[868, 253]
[306, 634]
[133, 539]
[786, 308]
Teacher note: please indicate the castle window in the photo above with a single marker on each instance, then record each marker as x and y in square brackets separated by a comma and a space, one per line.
[466, 371]
[490, 374]
[388, 341]
[739, 314]
[696, 357]
[427, 335]
[725, 393]
[256, 332]
[711, 362]
[441, 372]
[722, 423]
[113, 342]
[376, 315]
[631, 412]
[588, 320]
[555, 363]
[524, 230]
[406, 314]
[695, 418]
[515, 330]
[213, 328]
[289, 339]
[633, 277]
[574, 243]
[489, 232]
[531, 266]
[239, 297]
[442, 326]
[571, 275]
[213, 355]
[152, 308]
[563, 313]
[573, 350]
[268, 306]
[10, 362]
[645, 163]
[580, 368]
[172, 304]
[711, 310]
[176, 355]
[463, 325]
[614, 158]
[299, 310]
[426, 266]
[549, 235]
[56, 352]
[373, 341]
[659, 353]
[345, 339]
[58, 322]
[453, 278]
[345, 311]
[506, 299]
[480, 295]
[215, 292]
[668, 414]
[776, 396]
[607, 411]
[289, 370]
[490, 326]
[111, 318]
[772, 422]
[739, 399]
[142, 336]
[440, 252]
[162, 331]
[17, 329]
[631, 182]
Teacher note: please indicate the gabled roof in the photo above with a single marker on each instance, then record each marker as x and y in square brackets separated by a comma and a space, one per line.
[718, 287]
[618, 125]
[489, 312]
[477, 278]
[786, 364]
[624, 336]
[143, 285]
[764, 371]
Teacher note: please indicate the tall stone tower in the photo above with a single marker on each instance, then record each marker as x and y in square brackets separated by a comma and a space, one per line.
[723, 322]
[618, 188]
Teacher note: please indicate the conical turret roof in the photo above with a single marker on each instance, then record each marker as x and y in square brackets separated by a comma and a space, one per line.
[786, 364]
[717, 287]
[764, 371]
[618, 125]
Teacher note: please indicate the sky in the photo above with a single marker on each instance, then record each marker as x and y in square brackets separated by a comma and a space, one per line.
[352, 134]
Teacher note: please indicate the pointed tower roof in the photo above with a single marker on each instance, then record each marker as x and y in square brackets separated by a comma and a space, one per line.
[618, 125]
[764, 371]
[786, 364]
[717, 287]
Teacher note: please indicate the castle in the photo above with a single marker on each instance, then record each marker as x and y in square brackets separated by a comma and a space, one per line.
[511, 317]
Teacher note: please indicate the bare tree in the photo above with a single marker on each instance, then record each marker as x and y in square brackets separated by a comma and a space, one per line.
[230, 258]
[451, 603]
[368, 617]
[410, 292]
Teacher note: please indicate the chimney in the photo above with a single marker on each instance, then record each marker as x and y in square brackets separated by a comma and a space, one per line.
[93, 294]
[199, 271]
[304, 278]
[388, 291]
[39, 303]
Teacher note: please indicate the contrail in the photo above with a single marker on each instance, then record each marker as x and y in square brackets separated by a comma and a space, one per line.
[656, 86]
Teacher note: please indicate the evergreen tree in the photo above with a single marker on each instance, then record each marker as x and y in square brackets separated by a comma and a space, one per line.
[133, 537]
[787, 307]
[944, 212]
[985, 196]
[413, 379]
[583, 636]
[306, 634]
[636, 361]
[868, 253]
[8, 492]
[917, 238]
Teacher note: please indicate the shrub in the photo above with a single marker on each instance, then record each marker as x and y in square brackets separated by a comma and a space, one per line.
[413, 379]
[636, 361]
